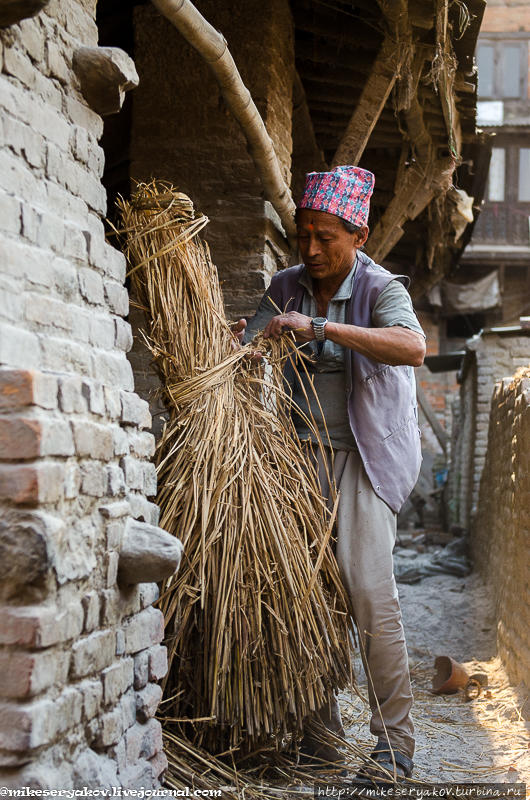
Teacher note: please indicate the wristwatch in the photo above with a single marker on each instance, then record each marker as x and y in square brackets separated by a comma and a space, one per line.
[319, 323]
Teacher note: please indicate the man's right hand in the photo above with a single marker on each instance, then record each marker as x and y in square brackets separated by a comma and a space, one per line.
[238, 330]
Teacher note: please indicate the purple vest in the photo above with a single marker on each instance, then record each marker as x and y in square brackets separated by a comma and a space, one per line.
[381, 398]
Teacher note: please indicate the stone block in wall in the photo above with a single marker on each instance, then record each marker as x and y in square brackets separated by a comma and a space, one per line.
[93, 653]
[29, 725]
[158, 663]
[143, 630]
[26, 674]
[93, 440]
[147, 701]
[134, 410]
[116, 679]
[141, 669]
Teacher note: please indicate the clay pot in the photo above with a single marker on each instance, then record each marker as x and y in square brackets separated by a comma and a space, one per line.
[450, 676]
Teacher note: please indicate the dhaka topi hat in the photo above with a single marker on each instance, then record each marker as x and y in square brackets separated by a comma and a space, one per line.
[345, 192]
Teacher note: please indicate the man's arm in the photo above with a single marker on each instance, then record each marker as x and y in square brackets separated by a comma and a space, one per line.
[392, 345]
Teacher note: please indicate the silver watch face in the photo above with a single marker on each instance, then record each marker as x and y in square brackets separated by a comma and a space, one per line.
[319, 324]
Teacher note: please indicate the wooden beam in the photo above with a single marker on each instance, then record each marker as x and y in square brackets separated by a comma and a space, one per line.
[372, 101]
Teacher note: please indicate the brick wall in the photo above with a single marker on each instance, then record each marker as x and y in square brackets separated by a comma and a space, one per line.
[506, 16]
[439, 387]
[500, 534]
[80, 657]
[490, 356]
[183, 132]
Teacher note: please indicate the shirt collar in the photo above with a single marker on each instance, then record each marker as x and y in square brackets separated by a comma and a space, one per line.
[344, 292]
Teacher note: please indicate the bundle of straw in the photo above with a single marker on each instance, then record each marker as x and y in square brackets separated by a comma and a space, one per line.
[256, 618]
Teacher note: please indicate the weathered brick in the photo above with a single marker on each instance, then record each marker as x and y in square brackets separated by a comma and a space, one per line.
[72, 481]
[113, 369]
[39, 626]
[115, 510]
[158, 664]
[17, 178]
[141, 669]
[149, 481]
[63, 355]
[142, 444]
[25, 727]
[143, 740]
[55, 60]
[91, 607]
[118, 603]
[117, 298]
[18, 348]
[10, 214]
[92, 653]
[114, 263]
[93, 479]
[116, 480]
[147, 701]
[114, 535]
[133, 472]
[116, 679]
[143, 630]
[93, 440]
[152, 740]
[32, 484]
[135, 410]
[93, 392]
[57, 438]
[149, 594]
[71, 398]
[102, 331]
[91, 286]
[16, 63]
[48, 312]
[33, 37]
[140, 508]
[92, 693]
[121, 442]
[124, 337]
[110, 728]
[20, 438]
[26, 674]
[159, 764]
[111, 569]
[112, 402]
[19, 388]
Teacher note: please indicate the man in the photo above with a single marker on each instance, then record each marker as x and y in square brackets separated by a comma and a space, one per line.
[358, 321]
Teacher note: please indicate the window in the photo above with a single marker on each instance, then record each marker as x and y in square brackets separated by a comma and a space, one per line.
[524, 175]
[497, 175]
[502, 67]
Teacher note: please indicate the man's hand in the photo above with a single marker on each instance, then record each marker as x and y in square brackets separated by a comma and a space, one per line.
[238, 330]
[293, 321]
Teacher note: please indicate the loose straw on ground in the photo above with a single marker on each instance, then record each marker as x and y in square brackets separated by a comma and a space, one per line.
[257, 641]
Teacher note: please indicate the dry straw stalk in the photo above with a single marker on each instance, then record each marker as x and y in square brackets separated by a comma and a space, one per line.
[257, 637]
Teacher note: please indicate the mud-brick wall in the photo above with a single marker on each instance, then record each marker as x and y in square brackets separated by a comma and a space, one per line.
[79, 657]
[490, 356]
[183, 132]
[501, 533]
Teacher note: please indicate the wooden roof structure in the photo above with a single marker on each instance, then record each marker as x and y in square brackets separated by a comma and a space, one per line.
[391, 85]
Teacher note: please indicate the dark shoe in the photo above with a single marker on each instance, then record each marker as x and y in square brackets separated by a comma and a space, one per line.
[316, 753]
[383, 772]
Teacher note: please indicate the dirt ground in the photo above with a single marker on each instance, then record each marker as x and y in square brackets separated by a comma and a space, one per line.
[485, 740]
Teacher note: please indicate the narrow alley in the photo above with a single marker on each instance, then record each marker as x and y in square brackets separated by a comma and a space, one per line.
[484, 740]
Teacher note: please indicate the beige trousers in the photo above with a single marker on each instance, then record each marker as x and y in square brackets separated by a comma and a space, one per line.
[366, 532]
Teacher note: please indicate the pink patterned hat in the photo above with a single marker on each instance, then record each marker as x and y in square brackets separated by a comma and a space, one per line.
[345, 192]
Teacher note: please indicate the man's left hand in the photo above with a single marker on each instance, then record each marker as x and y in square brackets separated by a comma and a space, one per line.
[299, 324]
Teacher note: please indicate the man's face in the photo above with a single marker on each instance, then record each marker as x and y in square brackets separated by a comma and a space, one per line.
[327, 249]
